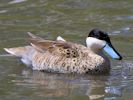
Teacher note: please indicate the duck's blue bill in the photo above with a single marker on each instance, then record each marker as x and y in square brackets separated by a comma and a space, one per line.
[112, 52]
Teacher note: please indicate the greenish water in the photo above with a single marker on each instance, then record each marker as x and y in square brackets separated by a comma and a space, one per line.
[72, 19]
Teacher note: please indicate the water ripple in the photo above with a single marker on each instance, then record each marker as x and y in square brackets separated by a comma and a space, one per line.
[130, 17]
[16, 1]
[3, 11]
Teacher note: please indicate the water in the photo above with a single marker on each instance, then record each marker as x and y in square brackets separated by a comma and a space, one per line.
[72, 19]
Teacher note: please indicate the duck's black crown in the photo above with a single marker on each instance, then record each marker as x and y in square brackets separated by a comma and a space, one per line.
[99, 34]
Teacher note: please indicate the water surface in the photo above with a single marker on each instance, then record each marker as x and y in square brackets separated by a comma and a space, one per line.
[71, 19]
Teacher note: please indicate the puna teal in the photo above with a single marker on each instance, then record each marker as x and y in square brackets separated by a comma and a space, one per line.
[66, 57]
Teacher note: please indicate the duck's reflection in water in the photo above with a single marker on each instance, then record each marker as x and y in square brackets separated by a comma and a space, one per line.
[65, 85]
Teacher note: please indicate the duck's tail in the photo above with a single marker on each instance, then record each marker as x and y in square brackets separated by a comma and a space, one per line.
[17, 51]
[23, 52]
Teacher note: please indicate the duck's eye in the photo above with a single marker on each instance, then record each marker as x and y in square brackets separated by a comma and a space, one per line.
[104, 37]
[97, 36]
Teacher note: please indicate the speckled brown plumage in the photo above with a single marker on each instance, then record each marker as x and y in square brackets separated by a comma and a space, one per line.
[61, 56]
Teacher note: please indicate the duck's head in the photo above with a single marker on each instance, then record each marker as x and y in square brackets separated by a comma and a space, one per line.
[98, 41]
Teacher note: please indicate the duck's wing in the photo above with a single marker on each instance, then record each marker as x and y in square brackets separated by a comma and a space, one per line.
[34, 36]
[60, 48]
[59, 38]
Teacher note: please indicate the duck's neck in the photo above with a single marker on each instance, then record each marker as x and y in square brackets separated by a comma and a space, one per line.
[95, 44]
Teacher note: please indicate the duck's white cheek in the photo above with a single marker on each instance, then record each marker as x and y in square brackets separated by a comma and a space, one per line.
[95, 43]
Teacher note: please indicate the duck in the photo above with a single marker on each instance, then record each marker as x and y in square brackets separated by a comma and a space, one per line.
[62, 56]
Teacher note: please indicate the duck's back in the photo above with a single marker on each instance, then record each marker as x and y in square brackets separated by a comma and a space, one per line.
[78, 59]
